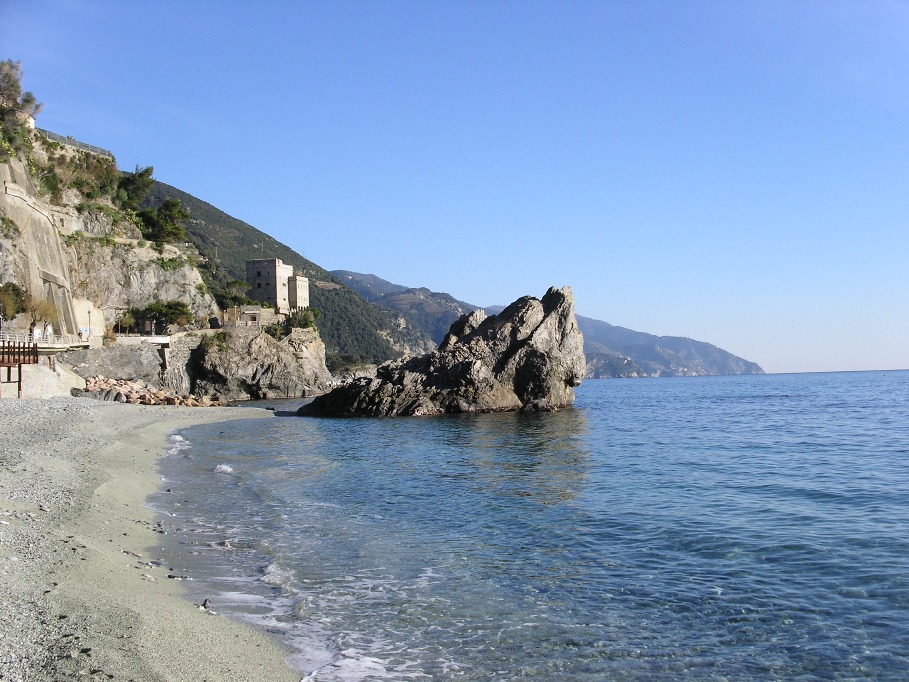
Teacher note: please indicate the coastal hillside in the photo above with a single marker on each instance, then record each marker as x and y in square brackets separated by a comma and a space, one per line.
[76, 257]
[432, 311]
[611, 351]
[658, 355]
[352, 329]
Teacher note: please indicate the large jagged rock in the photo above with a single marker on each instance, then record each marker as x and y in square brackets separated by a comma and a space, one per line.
[528, 357]
[248, 363]
[135, 363]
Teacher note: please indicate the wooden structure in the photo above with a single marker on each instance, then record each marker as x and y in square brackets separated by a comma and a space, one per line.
[15, 354]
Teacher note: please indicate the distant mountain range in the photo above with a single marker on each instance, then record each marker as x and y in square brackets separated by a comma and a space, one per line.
[611, 351]
[366, 318]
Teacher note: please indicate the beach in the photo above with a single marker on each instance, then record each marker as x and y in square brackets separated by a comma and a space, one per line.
[81, 591]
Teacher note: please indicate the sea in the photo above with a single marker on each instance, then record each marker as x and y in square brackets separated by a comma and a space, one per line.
[711, 528]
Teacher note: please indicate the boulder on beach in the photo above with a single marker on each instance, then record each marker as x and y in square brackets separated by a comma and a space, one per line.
[528, 357]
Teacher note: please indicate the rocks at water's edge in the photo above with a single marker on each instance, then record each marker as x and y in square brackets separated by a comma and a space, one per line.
[237, 364]
[528, 357]
[139, 393]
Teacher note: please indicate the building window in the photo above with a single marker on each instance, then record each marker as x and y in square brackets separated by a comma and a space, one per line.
[258, 273]
[258, 285]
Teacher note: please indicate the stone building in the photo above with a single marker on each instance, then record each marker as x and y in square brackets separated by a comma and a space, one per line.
[273, 282]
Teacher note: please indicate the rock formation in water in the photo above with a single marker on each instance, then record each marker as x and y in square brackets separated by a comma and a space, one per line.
[528, 357]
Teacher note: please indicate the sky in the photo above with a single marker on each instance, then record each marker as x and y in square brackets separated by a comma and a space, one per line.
[733, 172]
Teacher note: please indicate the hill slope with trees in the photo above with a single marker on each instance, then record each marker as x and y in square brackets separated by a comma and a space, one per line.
[352, 329]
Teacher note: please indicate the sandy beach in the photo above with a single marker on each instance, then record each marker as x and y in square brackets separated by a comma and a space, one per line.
[80, 593]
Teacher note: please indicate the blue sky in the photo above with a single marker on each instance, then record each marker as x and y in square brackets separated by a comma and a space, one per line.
[735, 172]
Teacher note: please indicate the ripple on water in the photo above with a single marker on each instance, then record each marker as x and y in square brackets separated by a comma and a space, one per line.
[724, 528]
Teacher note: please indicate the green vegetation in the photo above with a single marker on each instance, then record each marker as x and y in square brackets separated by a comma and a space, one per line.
[233, 293]
[94, 176]
[301, 319]
[217, 341]
[72, 239]
[13, 300]
[160, 314]
[351, 328]
[15, 107]
[169, 264]
[164, 223]
[105, 240]
[132, 188]
[8, 227]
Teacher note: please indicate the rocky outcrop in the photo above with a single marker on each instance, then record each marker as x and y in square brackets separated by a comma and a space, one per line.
[243, 363]
[134, 363]
[235, 364]
[528, 357]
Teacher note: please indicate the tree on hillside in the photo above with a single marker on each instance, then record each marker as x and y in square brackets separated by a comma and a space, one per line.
[15, 105]
[39, 310]
[11, 95]
[132, 188]
[162, 313]
[233, 293]
[165, 223]
[12, 300]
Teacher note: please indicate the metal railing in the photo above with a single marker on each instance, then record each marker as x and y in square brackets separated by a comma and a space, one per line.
[71, 142]
[18, 353]
[41, 339]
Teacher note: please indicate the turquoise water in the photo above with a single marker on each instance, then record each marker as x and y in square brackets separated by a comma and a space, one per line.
[710, 528]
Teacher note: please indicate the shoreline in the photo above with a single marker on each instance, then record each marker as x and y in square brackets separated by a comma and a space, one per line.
[80, 592]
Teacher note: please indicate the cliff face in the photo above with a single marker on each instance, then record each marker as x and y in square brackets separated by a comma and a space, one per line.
[83, 261]
[239, 364]
[243, 363]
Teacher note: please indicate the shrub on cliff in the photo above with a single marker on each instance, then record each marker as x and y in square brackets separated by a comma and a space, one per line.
[161, 314]
[12, 300]
[165, 223]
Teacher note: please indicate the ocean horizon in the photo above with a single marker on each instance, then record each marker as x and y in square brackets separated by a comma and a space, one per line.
[742, 527]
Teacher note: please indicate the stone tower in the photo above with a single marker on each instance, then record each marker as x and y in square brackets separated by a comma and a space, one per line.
[273, 282]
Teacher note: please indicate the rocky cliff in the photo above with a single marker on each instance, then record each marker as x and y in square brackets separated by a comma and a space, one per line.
[84, 258]
[235, 364]
[529, 357]
[247, 363]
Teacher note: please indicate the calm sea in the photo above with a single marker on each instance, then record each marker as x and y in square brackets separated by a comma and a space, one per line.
[722, 528]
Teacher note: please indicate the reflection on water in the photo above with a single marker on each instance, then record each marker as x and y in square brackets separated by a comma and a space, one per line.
[540, 456]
